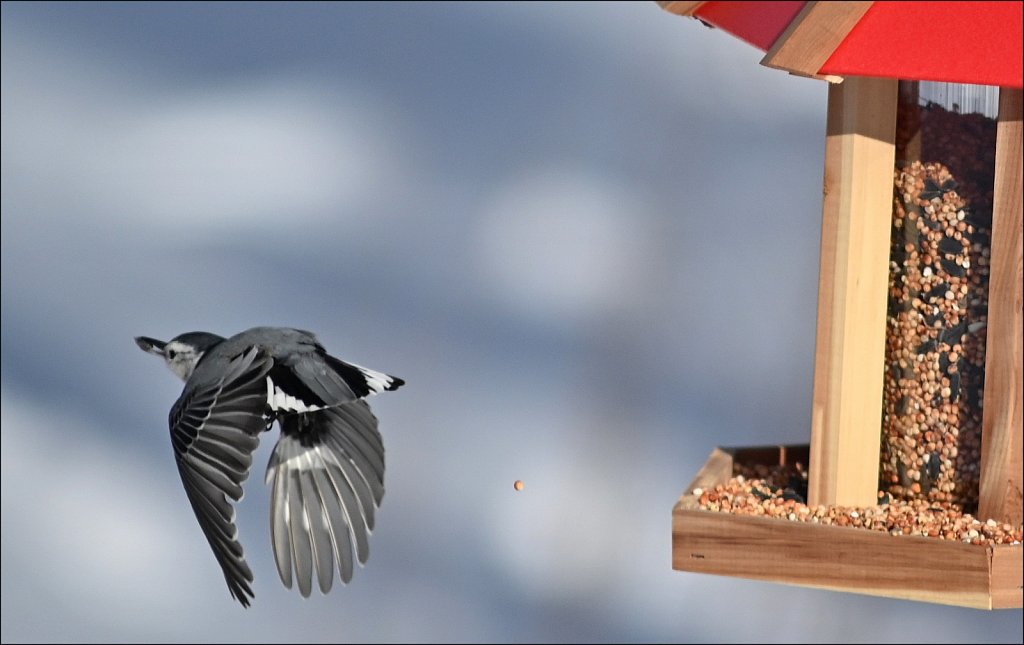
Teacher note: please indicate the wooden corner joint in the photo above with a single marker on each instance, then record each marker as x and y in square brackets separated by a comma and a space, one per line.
[680, 8]
[813, 36]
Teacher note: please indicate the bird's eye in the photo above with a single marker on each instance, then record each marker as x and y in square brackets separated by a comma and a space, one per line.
[171, 354]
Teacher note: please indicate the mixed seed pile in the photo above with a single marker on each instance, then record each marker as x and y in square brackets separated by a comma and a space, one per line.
[938, 306]
[779, 493]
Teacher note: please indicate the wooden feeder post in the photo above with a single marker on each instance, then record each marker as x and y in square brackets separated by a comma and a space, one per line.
[859, 157]
[841, 42]
[1001, 467]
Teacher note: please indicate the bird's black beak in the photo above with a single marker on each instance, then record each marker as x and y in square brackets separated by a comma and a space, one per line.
[150, 345]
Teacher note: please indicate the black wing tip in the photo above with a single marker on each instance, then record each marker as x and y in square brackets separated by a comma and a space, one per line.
[241, 592]
[394, 384]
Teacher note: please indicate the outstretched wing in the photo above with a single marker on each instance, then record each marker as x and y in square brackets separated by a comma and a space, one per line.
[328, 475]
[214, 430]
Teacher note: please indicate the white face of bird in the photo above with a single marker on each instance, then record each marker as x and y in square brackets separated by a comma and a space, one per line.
[180, 357]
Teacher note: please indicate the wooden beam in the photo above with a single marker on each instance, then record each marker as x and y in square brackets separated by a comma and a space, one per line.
[852, 293]
[680, 8]
[813, 36]
[1002, 425]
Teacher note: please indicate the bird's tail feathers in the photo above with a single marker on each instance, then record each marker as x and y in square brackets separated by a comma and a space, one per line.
[362, 380]
[327, 471]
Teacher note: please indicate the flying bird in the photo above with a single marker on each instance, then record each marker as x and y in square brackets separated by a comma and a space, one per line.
[327, 468]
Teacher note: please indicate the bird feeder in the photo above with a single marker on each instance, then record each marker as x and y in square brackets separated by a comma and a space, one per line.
[917, 383]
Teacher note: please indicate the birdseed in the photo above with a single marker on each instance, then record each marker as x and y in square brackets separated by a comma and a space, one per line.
[934, 383]
[775, 492]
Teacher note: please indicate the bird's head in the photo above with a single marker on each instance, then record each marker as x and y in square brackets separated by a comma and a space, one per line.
[181, 353]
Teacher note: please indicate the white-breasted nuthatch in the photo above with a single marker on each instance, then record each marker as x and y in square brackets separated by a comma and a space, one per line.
[327, 467]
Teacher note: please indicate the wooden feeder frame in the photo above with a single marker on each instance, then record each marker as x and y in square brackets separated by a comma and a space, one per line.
[844, 452]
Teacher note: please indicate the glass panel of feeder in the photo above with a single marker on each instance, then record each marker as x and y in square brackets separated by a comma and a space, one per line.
[938, 291]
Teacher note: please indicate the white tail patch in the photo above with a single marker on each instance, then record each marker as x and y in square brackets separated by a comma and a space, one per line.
[376, 381]
[280, 401]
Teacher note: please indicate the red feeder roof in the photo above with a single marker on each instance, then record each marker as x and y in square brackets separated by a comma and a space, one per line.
[958, 42]
[758, 23]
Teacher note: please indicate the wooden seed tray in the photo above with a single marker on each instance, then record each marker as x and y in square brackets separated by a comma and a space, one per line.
[832, 557]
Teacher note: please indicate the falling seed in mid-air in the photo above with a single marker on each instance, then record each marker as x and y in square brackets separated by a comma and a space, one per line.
[518, 485]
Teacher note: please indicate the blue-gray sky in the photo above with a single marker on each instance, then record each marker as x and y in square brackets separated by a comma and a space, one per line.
[586, 234]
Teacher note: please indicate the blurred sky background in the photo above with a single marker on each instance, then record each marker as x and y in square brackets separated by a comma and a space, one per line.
[586, 234]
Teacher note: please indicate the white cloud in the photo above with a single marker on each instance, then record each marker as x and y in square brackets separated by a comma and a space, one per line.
[258, 152]
[708, 71]
[80, 512]
[559, 244]
[234, 154]
[562, 537]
